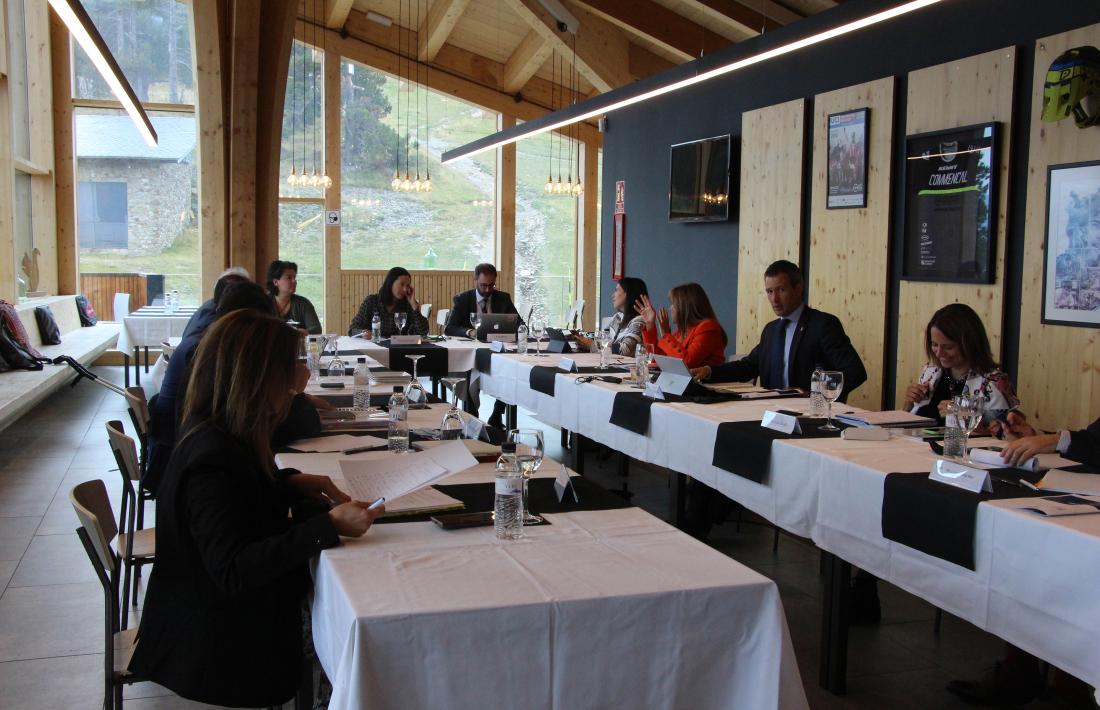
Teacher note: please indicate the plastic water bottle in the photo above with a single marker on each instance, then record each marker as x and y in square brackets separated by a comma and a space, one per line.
[175, 300]
[508, 506]
[521, 339]
[399, 421]
[376, 329]
[361, 393]
[641, 365]
[953, 436]
[817, 397]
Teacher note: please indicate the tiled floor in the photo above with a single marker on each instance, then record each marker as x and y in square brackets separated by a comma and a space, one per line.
[51, 608]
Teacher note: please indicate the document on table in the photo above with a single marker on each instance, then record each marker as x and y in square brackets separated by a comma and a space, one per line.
[395, 476]
[331, 444]
[1059, 481]
[1063, 505]
[889, 418]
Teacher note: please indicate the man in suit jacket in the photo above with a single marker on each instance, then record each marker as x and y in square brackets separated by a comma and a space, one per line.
[793, 345]
[1026, 441]
[483, 298]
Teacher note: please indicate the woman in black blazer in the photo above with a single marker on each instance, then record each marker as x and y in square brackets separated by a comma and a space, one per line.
[222, 618]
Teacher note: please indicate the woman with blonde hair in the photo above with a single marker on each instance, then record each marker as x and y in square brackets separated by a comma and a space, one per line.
[222, 617]
[698, 339]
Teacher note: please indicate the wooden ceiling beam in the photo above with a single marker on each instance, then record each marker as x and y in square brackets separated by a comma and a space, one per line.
[336, 13]
[531, 53]
[437, 26]
[644, 63]
[772, 10]
[733, 16]
[672, 32]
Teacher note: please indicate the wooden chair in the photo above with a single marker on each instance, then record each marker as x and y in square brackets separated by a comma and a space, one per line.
[97, 529]
[136, 545]
[141, 419]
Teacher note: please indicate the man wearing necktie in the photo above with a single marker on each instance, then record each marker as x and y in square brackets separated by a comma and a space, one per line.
[791, 346]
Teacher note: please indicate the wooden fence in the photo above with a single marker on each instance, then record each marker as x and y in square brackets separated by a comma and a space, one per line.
[101, 289]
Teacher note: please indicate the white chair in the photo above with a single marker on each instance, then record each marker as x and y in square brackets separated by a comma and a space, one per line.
[441, 319]
[426, 311]
[575, 314]
[121, 306]
[605, 322]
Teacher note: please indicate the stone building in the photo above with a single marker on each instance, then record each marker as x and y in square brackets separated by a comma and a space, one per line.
[130, 196]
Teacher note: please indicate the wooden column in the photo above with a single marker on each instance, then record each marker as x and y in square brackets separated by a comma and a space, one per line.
[206, 50]
[332, 235]
[40, 98]
[587, 230]
[64, 152]
[243, 114]
[8, 268]
[506, 211]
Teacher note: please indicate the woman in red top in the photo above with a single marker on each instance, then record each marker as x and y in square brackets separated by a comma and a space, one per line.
[698, 339]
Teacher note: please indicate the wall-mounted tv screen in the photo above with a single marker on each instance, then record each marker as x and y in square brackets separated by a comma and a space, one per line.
[699, 186]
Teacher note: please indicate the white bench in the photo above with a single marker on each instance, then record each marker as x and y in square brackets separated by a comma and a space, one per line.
[21, 390]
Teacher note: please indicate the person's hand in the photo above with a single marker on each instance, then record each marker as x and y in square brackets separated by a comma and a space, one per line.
[471, 333]
[301, 377]
[583, 341]
[945, 405]
[701, 373]
[410, 296]
[1018, 451]
[915, 393]
[317, 487]
[1015, 426]
[645, 310]
[319, 402]
[353, 518]
[663, 321]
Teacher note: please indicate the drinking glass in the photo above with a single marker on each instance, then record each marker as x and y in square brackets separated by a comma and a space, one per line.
[832, 384]
[453, 425]
[415, 392]
[475, 322]
[401, 318]
[968, 412]
[536, 333]
[641, 366]
[603, 343]
[529, 451]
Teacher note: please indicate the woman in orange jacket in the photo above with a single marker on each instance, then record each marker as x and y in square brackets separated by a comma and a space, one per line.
[698, 339]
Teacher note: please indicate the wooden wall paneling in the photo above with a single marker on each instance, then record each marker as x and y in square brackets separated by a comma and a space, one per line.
[64, 152]
[101, 289]
[40, 95]
[973, 90]
[506, 210]
[332, 234]
[587, 226]
[243, 113]
[206, 48]
[1059, 377]
[771, 200]
[435, 287]
[850, 248]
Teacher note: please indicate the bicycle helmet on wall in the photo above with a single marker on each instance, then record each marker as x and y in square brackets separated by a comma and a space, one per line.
[1073, 76]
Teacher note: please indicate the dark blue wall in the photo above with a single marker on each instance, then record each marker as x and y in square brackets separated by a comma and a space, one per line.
[637, 140]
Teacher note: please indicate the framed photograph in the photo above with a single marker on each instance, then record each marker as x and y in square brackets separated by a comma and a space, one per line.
[618, 246]
[951, 181]
[847, 172]
[1071, 267]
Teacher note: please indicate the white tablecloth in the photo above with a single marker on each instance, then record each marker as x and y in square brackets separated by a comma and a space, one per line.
[1035, 579]
[460, 353]
[148, 329]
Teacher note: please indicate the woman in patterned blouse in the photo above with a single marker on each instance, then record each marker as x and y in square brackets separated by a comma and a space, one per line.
[396, 296]
[960, 362]
[626, 325]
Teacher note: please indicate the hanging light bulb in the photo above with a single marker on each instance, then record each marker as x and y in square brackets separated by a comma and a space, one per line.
[416, 183]
[396, 182]
[427, 184]
[406, 184]
[292, 179]
[326, 182]
[549, 186]
[578, 190]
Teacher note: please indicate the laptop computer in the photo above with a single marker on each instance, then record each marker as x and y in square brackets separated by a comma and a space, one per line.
[498, 326]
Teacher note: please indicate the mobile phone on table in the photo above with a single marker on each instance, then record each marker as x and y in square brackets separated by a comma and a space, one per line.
[332, 385]
[451, 521]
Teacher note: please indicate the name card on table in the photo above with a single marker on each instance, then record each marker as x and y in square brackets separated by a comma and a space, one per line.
[497, 346]
[404, 340]
[653, 391]
[562, 482]
[785, 423]
[501, 337]
[974, 480]
[568, 364]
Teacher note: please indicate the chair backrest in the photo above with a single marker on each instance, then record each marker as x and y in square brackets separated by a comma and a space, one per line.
[121, 306]
[125, 450]
[605, 322]
[530, 312]
[426, 311]
[93, 508]
[441, 317]
[139, 410]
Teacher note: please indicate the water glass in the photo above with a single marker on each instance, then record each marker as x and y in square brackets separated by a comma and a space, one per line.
[529, 453]
[968, 410]
[832, 384]
[603, 343]
[400, 318]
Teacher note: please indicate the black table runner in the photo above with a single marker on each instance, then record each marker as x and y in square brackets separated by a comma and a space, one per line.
[938, 519]
[631, 410]
[433, 364]
[542, 377]
[483, 358]
[479, 497]
[745, 448]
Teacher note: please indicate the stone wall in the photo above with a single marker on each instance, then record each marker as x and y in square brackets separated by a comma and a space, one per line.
[158, 197]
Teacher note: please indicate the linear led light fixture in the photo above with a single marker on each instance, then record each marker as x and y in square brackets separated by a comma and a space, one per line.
[645, 90]
[83, 30]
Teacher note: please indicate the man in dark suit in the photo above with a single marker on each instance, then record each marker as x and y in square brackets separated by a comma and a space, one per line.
[793, 345]
[483, 298]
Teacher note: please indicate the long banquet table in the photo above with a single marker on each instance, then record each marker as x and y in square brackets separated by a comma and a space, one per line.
[601, 608]
[460, 351]
[1034, 580]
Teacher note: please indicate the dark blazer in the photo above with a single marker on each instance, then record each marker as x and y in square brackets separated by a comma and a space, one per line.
[466, 302]
[222, 617]
[1084, 445]
[819, 340]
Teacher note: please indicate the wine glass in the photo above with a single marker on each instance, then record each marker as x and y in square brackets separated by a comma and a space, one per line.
[529, 452]
[400, 318]
[453, 425]
[475, 322]
[415, 392]
[603, 344]
[536, 333]
[968, 412]
[832, 384]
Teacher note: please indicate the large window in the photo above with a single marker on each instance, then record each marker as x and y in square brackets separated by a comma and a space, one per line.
[451, 227]
[137, 206]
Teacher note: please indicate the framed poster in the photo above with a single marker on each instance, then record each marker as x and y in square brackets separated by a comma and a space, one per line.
[1071, 261]
[847, 171]
[951, 205]
[618, 240]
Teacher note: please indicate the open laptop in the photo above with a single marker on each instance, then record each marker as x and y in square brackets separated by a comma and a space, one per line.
[498, 326]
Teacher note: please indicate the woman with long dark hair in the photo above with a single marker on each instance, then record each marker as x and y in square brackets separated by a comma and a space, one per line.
[222, 617]
[282, 285]
[698, 339]
[395, 296]
[626, 325]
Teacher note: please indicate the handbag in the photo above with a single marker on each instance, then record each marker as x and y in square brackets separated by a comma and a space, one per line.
[87, 313]
[47, 326]
[10, 318]
[14, 354]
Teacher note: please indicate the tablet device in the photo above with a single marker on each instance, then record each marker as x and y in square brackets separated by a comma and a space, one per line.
[494, 325]
[675, 375]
